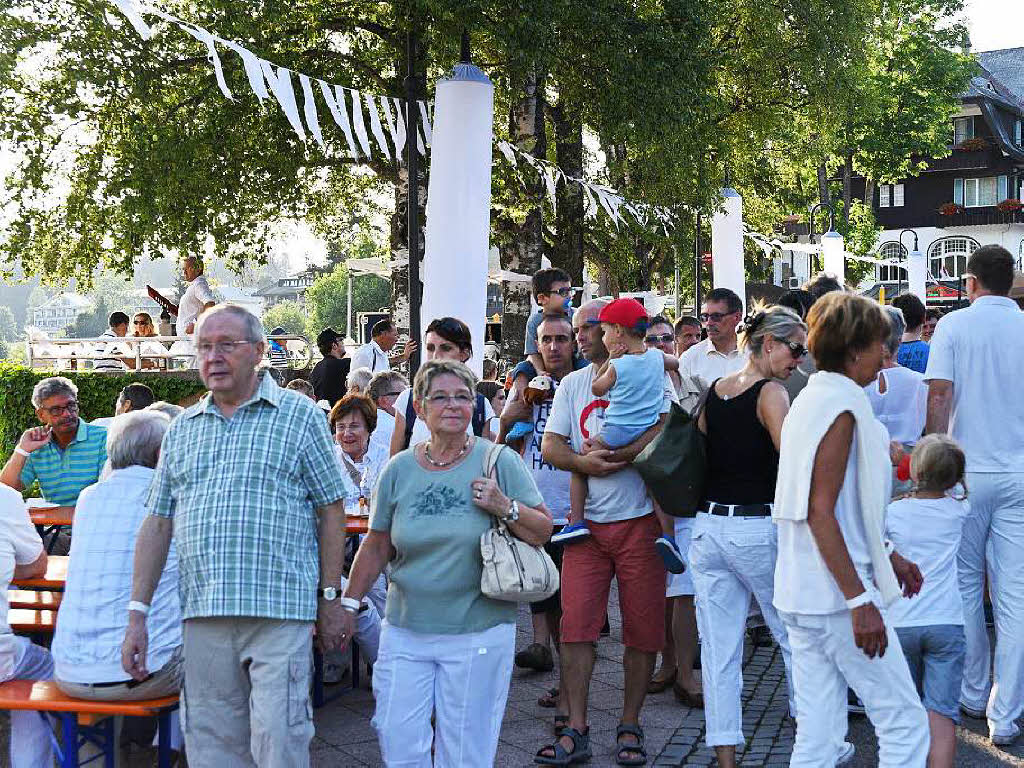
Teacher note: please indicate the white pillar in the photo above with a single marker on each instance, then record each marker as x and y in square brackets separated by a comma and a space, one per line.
[459, 204]
[832, 250]
[727, 245]
[917, 275]
[348, 310]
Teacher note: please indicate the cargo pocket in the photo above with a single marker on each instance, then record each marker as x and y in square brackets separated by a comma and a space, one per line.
[300, 708]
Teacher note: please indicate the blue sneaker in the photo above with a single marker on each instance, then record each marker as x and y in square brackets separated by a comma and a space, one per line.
[571, 533]
[670, 554]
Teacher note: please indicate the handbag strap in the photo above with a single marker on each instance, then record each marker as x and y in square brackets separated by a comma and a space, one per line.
[491, 471]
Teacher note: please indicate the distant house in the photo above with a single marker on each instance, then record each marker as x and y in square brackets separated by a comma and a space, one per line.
[971, 197]
[58, 313]
[291, 288]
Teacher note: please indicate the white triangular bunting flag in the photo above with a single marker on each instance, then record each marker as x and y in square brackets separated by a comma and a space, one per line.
[419, 140]
[133, 13]
[358, 124]
[425, 122]
[591, 206]
[389, 121]
[206, 38]
[375, 126]
[253, 70]
[334, 98]
[506, 149]
[309, 110]
[281, 84]
[399, 126]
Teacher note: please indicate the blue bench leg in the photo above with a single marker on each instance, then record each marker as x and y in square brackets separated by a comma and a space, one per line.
[164, 740]
[69, 730]
[109, 747]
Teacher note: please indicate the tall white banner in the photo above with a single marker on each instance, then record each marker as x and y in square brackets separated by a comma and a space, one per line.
[459, 204]
[727, 245]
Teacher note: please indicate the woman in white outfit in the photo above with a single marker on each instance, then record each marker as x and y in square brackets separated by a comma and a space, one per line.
[732, 551]
[834, 576]
[445, 647]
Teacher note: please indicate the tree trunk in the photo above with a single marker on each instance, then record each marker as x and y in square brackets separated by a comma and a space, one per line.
[567, 252]
[869, 193]
[847, 188]
[523, 244]
[824, 196]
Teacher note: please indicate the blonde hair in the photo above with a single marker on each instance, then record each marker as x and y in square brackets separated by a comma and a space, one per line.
[938, 464]
[434, 368]
[767, 322]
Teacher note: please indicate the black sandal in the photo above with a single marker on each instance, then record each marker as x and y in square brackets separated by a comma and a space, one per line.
[623, 749]
[581, 752]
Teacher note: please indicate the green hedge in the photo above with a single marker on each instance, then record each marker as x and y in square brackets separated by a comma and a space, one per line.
[96, 395]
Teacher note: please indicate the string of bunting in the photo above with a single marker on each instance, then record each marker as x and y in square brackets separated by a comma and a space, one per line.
[596, 196]
[360, 115]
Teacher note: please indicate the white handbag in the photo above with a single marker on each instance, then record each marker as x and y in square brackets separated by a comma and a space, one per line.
[513, 570]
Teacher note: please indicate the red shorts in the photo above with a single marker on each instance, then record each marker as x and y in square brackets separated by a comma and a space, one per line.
[625, 550]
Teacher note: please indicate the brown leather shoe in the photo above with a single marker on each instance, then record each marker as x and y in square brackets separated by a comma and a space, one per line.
[683, 696]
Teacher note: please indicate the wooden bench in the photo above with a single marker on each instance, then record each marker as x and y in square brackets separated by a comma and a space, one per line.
[29, 621]
[35, 599]
[55, 577]
[83, 722]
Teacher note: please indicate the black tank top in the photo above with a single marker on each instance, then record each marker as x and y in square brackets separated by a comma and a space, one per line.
[742, 461]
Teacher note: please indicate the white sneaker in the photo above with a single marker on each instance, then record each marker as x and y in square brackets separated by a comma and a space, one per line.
[1005, 740]
[846, 753]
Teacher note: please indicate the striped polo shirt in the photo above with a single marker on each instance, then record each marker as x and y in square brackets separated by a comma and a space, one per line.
[62, 474]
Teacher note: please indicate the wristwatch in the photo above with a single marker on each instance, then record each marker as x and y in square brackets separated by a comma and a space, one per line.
[330, 593]
[513, 513]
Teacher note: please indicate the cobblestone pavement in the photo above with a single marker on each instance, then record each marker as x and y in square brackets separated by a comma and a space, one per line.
[344, 736]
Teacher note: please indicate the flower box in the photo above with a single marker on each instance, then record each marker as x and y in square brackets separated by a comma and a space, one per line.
[1010, 206]
[950, 209]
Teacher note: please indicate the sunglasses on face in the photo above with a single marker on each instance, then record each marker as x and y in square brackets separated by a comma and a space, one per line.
[714, 317]
[565, 292]
[796, 349]
[663, 338]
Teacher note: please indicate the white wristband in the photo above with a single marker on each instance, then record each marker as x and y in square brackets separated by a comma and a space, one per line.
[135, 605]
[350, 604]
[21, 451]
[856, 602]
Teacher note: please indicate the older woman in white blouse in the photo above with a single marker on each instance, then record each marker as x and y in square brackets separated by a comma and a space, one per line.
[834, 577]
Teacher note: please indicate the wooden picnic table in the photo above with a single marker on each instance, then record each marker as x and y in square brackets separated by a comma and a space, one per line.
[357, 525]
[54, 578]
[51, 516]
[28, 621]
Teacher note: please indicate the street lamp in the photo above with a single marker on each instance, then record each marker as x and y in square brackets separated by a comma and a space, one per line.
[832, 244]
[917, 269]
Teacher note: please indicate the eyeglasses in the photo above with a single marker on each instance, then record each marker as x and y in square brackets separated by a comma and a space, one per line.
[141, 322]
[714, 317]
[663, 338]
[459, 401]
[796, 349]
[565, 292]
[391, 394]
[207, 348]
[60, 410]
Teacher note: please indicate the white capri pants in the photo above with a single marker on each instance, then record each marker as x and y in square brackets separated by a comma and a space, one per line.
[826, 660]
[464, 678]
[993, 540]
[732, 558]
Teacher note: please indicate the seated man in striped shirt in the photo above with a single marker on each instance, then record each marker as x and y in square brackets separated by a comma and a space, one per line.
[65, 455]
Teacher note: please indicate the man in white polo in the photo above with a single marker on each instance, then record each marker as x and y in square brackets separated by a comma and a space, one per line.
[198, 295]
[719, 354]
[374, 355]
[975, 365]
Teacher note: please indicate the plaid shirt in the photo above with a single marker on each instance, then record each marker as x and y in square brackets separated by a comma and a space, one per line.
[243, 493]
[63, 473]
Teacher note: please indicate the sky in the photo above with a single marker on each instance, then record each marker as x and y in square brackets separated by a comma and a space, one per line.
[993, 24]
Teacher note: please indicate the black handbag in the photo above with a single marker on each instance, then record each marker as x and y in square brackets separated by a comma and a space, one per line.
[674, 464]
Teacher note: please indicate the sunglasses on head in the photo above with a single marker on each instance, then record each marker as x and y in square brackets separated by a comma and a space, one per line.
[663, 338]
[796, 349]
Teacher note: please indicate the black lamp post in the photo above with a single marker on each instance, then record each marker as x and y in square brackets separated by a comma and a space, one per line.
[831, 222]
[903, 258]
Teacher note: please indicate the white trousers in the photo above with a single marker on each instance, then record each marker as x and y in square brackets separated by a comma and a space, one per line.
[368, 626]
[826, 660]
[732, 558]
[30, 732]
[463, 678]
[993, 538]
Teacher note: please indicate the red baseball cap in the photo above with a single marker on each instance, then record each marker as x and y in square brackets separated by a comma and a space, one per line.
[627, 312]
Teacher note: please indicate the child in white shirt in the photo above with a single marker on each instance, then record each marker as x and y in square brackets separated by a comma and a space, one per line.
[926, 529]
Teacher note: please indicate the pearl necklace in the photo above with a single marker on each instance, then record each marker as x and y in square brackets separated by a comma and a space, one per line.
[459, 455]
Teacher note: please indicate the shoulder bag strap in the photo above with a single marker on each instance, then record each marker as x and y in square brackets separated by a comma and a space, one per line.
[410, 419]
[478, 415]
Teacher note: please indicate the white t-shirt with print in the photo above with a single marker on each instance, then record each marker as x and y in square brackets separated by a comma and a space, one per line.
[19, 545]
[577, 414]
[420, 433]
[553, 483]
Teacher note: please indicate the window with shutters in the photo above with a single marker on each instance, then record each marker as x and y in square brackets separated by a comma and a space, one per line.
[891, 273]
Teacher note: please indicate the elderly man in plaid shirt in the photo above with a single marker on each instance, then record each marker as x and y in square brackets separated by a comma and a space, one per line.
[242, 479]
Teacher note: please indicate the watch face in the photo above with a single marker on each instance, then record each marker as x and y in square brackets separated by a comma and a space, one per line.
[329, 593]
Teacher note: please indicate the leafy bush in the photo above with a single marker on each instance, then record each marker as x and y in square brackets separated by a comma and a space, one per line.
[96, 395]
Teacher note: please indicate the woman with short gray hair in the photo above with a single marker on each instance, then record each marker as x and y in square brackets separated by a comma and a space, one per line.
[899, 396]
[445, 647]
[93, 613]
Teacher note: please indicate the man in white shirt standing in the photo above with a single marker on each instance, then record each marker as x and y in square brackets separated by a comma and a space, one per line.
[375, 354]
[719, 354]
[22, 556]
[197, 296]
[975, 362]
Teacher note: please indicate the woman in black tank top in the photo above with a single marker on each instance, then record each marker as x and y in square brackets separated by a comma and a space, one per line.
[732, 551]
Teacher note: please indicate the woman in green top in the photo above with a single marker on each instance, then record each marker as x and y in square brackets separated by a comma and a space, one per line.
[444, 646]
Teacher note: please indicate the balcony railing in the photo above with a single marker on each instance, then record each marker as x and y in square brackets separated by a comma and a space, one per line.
[959, 160]
[977, 217]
